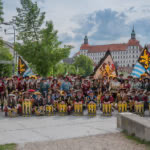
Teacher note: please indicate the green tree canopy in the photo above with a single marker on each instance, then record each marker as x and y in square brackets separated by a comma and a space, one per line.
[40, 47]
[5, 55]
[64, 69]
[1, 12]
[84, 65]
[29, 21]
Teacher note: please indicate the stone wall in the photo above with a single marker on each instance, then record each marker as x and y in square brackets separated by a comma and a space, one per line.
[134, 124]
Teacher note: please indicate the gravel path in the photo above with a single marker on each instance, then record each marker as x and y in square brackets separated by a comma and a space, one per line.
[113, 141]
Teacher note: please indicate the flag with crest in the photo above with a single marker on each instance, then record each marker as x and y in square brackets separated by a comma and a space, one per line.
[143, 64]
[105, 67]
[22, 66]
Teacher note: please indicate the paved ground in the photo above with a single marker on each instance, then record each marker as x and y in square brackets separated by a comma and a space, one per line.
[33, 129]
[115, 141]
[64, 133]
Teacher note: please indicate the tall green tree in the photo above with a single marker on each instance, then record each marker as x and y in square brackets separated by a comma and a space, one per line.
[84, 65]
[64, 69]
[40, 47]
[29, 21]
[1, 12]
[5, 55]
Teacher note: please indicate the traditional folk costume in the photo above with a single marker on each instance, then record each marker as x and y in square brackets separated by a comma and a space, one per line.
[114, 87]
[91, 98]
[10, 86]
[2, 92]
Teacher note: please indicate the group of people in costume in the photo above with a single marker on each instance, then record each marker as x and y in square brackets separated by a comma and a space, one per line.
[71, 90]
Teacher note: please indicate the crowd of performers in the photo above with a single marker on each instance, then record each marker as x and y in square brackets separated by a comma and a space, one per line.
[71, 90]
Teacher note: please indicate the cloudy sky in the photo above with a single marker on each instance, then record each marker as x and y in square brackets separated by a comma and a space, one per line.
[104, 21]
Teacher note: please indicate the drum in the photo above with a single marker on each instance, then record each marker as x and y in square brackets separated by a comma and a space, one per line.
[122, 107]
[131, 106]
[49, 110]
[12, 112]
[39, 111]
[27, 108]
[139, 108]
[92, 109]
[78, 108]
[62, 108]
[107, 109]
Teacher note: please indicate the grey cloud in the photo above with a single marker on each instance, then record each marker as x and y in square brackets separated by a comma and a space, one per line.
[110, 26]
[40, 1]
[132, 9]
[65, 37]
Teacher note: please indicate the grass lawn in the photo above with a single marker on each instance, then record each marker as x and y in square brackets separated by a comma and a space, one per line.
[137, 140]
[8, 147]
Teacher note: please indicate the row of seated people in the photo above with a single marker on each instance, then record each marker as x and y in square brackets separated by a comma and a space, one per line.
[16, 100]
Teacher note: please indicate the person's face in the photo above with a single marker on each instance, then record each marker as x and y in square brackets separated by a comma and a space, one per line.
[121, 77]
[85, 82]
[146, 80]
[107, 94]
[79, 94]
[91, 94]
[115, 79]
[10, 81]
[39, 96]
[141, 92]
[73, 94]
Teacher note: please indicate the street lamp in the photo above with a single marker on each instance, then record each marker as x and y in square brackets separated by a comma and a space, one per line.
[14, 33]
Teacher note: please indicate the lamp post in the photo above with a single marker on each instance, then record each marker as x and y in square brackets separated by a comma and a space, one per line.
[14, 33]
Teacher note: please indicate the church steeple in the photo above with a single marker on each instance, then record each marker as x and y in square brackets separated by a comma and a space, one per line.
[133, 35]
[86, 40]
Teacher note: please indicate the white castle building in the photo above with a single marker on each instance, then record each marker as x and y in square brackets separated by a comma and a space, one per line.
[124, 55]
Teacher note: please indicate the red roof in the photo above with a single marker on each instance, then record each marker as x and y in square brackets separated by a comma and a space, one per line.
[111, 47]
[133, 42]
[84, 46]
[103, 48]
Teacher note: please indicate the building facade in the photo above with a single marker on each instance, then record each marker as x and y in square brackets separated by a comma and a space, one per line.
[124, 55]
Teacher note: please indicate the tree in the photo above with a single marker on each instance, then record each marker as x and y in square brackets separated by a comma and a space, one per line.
[1, 12]
[40, 47]
[64, 69]
[5, 69]
[84, 65]
[5, 55]
[29, 21]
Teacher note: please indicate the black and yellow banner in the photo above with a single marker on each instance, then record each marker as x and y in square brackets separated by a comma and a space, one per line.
[144, 58]
[22, 67]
